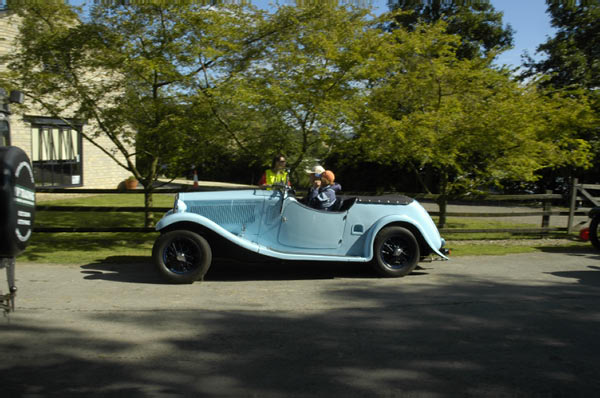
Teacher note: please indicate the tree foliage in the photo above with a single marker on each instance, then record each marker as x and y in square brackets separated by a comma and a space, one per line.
[571, 61]
[573, 54]
[303, 88]
[473, 125]
[180, 86]
[135, 71]
[478, 24]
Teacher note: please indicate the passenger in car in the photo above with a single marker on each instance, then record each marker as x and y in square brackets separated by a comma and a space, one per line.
[314, 176]
[315, 183]
[323, 197]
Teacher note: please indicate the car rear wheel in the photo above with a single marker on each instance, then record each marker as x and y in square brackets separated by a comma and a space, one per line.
[594, 225]
[396, 252]
[182, 256]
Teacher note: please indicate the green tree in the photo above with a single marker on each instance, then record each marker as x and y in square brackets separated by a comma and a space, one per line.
[570, 60]
[477, 23]
[471, 124]
[133, 71]
[572, 56]
[299, 95]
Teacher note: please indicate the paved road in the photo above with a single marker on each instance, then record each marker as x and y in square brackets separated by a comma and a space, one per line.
[512, 326]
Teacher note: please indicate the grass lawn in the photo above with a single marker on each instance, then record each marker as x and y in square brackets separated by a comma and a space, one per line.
[85, 248]
[501, 247]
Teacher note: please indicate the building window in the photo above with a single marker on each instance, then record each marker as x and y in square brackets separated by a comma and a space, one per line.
[56, 154]
[4, 133]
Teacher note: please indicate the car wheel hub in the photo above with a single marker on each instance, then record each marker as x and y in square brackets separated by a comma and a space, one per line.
[179, 256]
[394, 253]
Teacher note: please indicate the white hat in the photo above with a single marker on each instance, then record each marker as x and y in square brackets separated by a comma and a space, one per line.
[317, 170]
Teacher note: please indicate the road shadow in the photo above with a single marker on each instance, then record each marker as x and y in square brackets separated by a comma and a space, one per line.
[224, 270]
[471, 338]
[589, 277]
[576, 250]
[140, 269]
[129, 269]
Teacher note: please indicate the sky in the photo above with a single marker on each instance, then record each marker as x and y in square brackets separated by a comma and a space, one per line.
[528, 19]
[531, 24]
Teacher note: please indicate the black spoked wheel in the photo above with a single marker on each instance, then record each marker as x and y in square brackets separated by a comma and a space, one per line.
[182, 256]
[594, 225]
[396, 252]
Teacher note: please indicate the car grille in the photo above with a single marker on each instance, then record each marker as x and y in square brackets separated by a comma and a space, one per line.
[221, 213]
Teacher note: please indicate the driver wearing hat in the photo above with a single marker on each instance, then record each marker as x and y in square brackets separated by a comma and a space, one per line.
[321, 195]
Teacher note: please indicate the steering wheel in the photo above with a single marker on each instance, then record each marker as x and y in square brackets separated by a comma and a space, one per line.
[285, 189]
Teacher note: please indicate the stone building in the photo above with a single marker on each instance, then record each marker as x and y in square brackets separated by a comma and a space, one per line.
[61, 157]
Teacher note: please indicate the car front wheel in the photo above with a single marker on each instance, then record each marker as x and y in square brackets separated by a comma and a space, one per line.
[182, 256]
[396, 252]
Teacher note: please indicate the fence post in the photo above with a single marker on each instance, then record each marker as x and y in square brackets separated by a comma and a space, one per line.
[547, 207]
[572, 205]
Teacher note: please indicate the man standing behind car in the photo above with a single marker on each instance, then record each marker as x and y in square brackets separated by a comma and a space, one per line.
[322, 196]
[276, 174]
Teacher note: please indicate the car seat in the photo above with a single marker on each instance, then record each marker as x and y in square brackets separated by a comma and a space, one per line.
[347, 204]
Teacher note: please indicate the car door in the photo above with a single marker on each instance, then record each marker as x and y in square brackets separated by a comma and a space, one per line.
[305, 228]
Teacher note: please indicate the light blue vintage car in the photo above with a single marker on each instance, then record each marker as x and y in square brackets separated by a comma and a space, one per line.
[391, 232]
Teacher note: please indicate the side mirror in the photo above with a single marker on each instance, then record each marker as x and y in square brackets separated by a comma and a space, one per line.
[17, 201]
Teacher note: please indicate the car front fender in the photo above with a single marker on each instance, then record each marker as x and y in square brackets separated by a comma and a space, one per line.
[175, 218]
[429, 233]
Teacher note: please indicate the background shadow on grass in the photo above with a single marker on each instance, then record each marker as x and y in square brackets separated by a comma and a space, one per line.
[81, 245]
[89, 219]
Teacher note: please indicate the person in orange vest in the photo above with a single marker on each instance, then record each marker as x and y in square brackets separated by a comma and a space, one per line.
[277, 174]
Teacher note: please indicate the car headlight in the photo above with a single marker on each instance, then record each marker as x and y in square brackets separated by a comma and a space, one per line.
[179, 205]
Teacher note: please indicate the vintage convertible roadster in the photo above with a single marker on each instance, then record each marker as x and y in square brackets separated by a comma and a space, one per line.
[392, 232]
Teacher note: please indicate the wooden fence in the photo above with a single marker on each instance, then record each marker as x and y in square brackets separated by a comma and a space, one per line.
[541, 201]
[581, 193]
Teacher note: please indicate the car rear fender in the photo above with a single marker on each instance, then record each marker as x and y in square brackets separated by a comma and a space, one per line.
[428, 235]
[170, 220]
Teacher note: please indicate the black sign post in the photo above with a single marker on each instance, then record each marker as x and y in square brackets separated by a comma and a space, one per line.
[17, 213]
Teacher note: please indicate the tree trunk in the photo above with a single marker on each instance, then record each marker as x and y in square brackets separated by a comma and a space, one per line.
[148, 201]
[148, 182]
[442, 202]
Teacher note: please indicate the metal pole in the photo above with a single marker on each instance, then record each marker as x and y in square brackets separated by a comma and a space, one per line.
[7, 301]
[572, 205]
[547, 206]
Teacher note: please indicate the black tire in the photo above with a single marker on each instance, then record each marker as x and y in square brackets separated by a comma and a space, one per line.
[182, 256]
[594, 231]
[395, 252]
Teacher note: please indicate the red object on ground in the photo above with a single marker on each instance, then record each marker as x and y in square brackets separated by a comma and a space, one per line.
[584, 234]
